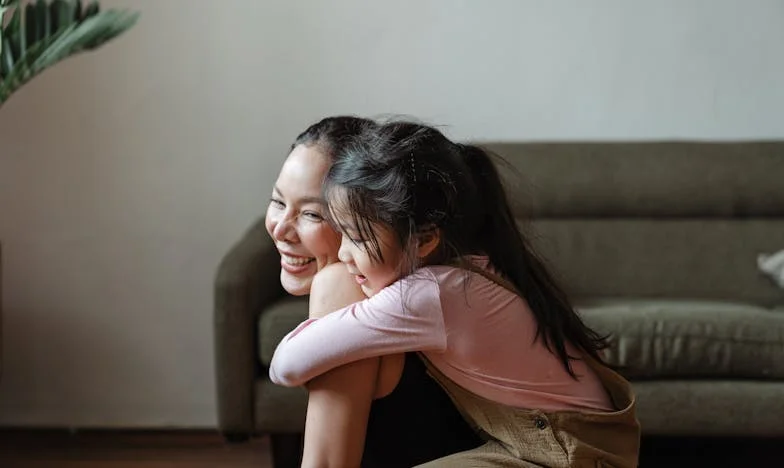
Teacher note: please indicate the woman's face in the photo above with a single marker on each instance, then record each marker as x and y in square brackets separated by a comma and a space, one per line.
[296, 219]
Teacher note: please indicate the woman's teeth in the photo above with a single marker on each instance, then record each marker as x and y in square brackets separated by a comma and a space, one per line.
[297, 261]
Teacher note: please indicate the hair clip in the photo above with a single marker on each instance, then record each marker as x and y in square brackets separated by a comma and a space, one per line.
[413, 167]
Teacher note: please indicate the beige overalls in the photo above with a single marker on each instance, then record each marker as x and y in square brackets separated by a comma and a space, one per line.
[519, 437]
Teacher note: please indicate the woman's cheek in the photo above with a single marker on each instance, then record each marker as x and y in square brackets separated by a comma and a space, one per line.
[328, 243]
[269, 224]
[334, 244]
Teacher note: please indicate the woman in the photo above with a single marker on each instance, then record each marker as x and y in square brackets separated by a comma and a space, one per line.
[411, 419]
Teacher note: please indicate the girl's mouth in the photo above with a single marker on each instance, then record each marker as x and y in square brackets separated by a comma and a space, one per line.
[360, 279]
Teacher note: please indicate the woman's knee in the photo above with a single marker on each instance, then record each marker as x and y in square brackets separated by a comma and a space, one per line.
[389, 372]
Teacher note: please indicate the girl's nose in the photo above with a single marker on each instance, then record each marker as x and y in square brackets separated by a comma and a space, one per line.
[344, 254]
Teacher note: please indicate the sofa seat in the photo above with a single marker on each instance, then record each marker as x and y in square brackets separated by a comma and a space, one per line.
[710, 407]
[688, 360]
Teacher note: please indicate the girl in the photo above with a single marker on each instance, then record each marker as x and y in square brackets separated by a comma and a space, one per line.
[429, 236]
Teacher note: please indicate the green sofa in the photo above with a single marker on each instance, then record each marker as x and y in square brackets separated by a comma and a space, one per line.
[657, 242]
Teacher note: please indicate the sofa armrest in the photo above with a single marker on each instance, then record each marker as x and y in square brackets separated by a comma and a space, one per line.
[246, 282]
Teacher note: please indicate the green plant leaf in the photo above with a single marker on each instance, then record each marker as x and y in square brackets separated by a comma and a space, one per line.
[42, 34]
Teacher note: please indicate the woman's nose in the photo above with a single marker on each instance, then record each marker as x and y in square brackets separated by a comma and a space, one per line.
[284, 229]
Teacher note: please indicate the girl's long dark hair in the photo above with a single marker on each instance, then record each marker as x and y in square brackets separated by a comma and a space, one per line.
[411, 178]
[510, 252]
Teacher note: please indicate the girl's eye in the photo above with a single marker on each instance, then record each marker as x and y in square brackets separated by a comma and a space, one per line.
[355, 241]
[277, 203]
[313, 216]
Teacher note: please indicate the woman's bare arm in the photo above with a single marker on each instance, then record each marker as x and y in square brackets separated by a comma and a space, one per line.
[333, 288]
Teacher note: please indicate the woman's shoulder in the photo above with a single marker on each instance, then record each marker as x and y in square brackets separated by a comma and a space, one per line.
[332, 272]
[335, 282]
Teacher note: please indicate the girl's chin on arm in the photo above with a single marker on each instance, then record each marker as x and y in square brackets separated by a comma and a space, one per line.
[333, 288]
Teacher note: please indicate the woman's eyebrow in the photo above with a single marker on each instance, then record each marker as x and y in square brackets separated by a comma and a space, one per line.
[303, 200]
[318, 200]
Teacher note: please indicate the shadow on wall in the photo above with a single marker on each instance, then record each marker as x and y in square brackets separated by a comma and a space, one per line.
[68, 364]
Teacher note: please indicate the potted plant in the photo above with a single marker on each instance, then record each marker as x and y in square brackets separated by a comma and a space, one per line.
[36, 34]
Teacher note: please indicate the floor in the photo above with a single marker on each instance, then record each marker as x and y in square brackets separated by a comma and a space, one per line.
[120, 449]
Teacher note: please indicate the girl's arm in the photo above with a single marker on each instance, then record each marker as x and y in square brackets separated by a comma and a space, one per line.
[405, 316]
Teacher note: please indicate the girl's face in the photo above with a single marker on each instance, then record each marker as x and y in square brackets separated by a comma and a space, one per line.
[371, 275]
[296, 219]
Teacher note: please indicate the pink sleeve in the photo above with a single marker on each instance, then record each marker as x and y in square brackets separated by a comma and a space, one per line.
[405, 316]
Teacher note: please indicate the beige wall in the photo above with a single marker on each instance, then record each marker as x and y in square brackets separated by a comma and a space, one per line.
[127, 173]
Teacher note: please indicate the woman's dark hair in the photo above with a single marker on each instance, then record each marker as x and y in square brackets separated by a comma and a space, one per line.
[411, 178]
[330, 134]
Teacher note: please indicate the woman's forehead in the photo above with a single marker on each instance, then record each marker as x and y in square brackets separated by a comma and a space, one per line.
[302, 174]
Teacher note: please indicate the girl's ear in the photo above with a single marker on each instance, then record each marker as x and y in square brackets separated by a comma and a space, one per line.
[427, 241]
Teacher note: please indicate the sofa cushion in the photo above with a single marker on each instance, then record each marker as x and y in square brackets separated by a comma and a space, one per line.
[644, 179]
[709, 259]
[655, 339]
[277, 321]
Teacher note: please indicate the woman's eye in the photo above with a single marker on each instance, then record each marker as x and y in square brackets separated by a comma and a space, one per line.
[313, 216]
[277, 203]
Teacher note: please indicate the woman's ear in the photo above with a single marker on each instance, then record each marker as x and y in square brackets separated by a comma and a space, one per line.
[427, 241]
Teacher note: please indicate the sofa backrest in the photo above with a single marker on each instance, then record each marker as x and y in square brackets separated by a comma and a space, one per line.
[653, 219]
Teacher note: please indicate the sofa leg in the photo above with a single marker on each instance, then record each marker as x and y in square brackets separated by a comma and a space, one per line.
[286, 450]
[236, 437]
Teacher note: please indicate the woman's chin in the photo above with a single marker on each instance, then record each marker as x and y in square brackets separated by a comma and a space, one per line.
[297, 284]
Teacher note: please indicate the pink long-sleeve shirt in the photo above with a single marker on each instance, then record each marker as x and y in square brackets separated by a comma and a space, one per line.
[476, 332]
